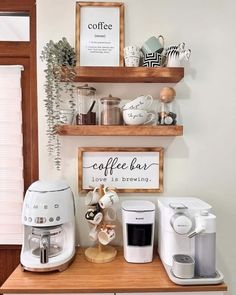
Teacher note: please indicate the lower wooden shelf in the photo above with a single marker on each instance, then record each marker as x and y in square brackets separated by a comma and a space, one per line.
[102, 130]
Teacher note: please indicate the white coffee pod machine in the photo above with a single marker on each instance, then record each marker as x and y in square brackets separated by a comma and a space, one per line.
[138, 218]
[186, 240]
[48, 217]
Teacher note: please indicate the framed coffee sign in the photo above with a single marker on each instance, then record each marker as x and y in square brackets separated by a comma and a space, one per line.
[99, 33]
[125, 169]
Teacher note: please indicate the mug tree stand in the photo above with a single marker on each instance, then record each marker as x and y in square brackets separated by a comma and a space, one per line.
[100, 253]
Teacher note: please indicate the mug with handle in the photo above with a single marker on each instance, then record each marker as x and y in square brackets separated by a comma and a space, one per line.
[142, 102]
[106, 235]
[92, 197]
[153, 44]
[93, 216]
[138, 117]
[109, 199]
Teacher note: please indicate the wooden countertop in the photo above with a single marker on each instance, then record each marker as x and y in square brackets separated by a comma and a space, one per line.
[86, 277]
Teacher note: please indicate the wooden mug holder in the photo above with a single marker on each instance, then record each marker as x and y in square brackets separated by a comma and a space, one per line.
[101, 253]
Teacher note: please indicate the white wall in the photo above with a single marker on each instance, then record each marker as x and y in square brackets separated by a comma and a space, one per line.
[202, 162]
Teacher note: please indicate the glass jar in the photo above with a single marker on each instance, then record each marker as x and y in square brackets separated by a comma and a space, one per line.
[167, 111]
[110, 111]
[86, 105]
[166, 114]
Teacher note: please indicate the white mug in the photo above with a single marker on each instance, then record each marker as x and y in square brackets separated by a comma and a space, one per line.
[93, 233]
[109, 214]
[132, 61]
[66, 116]
[137, 117]
[142, 102]
[109, 199]
[105, 236]
[132, 50]
[92, 197]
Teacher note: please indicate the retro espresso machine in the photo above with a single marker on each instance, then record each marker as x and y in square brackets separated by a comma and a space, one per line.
[48, 217]
[187, 241]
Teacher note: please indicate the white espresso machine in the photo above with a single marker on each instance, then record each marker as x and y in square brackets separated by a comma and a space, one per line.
[186, 241]
[48, 217]
[138, 218]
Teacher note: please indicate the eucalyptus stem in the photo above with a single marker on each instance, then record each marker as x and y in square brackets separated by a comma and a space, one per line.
[57, 55]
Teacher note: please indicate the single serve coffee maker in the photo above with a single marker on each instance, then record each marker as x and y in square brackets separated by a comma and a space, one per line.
[138, 218]
[48, 217]
[186, 241]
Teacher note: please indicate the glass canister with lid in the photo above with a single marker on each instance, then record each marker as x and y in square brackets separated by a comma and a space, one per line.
[86, 105]
[110, 111]
[167, 110]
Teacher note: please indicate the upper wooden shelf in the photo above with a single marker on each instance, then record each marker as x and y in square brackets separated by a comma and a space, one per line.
[127, 74]
[102, 130]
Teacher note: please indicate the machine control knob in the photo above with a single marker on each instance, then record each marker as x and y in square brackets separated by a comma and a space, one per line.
[181, 223]
[40, 220]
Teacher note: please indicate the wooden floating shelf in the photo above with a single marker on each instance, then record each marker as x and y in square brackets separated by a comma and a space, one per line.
[102, 130]
[126, 74]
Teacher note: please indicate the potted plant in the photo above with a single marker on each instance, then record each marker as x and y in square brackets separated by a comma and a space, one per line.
[59, 57]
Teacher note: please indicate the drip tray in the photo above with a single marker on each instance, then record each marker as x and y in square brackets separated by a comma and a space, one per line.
[54, 250]
[218, 279]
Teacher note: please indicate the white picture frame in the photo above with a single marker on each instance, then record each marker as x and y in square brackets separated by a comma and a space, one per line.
[99, 33]
[125, 169]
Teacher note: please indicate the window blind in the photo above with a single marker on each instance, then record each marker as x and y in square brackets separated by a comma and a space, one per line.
[11, 156]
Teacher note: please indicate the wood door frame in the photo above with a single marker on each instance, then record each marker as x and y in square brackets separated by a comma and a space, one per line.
[12, 52]
[22, 53]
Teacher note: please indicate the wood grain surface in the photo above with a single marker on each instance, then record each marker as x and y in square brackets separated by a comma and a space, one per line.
[126, 74]
[86, 277]
[102, 130]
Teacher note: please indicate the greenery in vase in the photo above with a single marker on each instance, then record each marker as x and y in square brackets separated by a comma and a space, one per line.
[59, 57]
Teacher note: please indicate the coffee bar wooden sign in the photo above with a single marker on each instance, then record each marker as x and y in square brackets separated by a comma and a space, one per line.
[125, 169]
